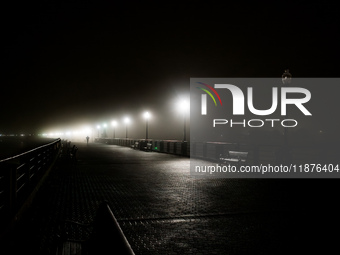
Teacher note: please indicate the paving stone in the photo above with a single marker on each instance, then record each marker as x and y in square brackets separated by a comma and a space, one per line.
[161, 208]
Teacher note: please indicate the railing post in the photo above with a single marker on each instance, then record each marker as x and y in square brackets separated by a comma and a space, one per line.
[23, 165]
[6, 209]
[12, 189]
[27, 174]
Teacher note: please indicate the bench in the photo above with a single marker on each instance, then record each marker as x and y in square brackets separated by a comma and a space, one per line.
[147, 147]
[68, 153]
[105, 236]
[135, 145]
[142, 146]
[73, 153]
[234, 157]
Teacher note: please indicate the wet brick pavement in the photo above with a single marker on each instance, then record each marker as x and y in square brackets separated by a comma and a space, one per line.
[162, 209]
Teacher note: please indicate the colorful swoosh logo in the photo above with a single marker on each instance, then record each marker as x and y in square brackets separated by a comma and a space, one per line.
[213, 90]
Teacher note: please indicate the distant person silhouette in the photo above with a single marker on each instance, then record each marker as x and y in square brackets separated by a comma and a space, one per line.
[87, 139]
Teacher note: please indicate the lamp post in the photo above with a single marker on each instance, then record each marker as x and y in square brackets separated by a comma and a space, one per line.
[184, 106]
[286, 77]
[185, 128]
[126, 121]
[114, 124]
[285, 153]
[98, 128]
[147, 117]
[104, 132]
[286, 80]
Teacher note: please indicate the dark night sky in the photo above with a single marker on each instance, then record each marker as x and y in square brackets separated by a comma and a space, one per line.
[88, 63]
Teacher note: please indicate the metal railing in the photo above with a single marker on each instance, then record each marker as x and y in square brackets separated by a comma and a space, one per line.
[19, 177]
[167, 146]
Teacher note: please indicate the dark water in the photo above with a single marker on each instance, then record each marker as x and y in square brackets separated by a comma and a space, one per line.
[14, 145]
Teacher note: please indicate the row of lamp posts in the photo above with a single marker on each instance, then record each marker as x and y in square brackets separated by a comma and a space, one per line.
[286, 80]
[147, 116]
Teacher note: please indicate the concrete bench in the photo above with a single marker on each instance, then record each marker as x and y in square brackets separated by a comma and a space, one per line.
[135, 145]
[106, 236]
[68, 153]
[234, 157]
[73, 153]
[147, 147]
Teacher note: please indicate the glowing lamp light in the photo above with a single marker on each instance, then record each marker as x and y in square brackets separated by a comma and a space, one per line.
[286, 77]
[183, 106]
[147, 115]
[126, 120]
[87, 130]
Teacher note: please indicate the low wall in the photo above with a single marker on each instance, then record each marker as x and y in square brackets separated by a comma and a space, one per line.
[257, 153]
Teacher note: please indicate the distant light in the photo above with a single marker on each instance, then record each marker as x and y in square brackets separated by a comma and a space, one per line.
[286, 77]
[147, 115]
[114, 123]
[183, 105]
[98, 127]
[87, 130]
[156, 148]
[104, 125]
[126, 120]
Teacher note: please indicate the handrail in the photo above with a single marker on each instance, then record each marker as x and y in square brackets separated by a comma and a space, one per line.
[19, 155]
[20, 178]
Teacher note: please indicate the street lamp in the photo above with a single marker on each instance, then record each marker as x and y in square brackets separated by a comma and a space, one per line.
[126, 121]
[286, 77]
[104, 132]
[98, 128]
[147, 117]
[114, 124]
[286, 157]
[286, 80]
[184, 106]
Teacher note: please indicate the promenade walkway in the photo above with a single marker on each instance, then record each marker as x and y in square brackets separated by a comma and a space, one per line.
[162, 209]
